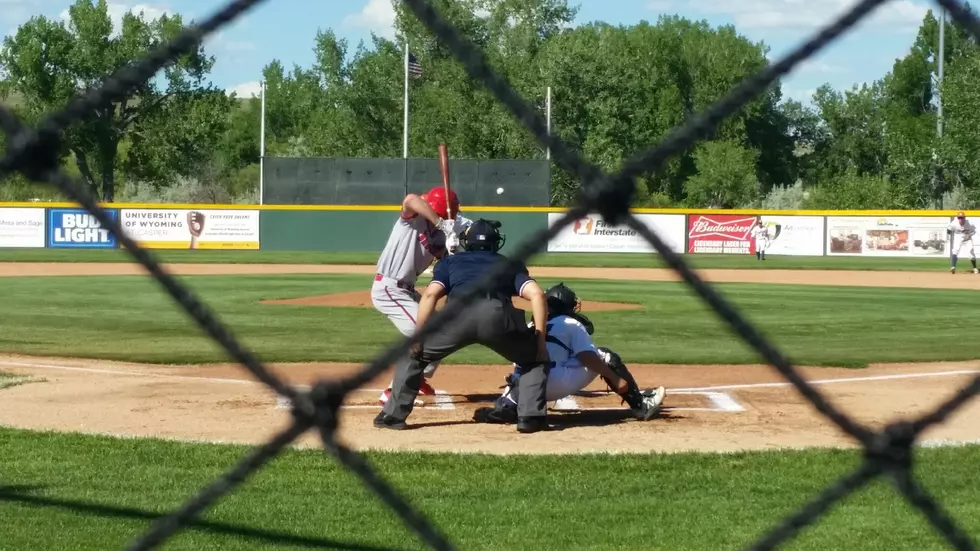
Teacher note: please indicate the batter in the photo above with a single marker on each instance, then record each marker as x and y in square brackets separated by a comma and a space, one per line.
[420, 235]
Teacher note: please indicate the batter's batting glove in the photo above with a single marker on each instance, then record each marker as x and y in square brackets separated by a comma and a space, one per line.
[446, 226]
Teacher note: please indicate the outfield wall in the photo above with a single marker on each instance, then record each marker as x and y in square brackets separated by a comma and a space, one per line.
[366, 228]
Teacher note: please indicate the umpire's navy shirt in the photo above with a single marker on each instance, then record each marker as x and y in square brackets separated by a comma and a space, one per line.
[460, 271]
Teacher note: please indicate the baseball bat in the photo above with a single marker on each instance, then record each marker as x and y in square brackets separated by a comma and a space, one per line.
[444, 165]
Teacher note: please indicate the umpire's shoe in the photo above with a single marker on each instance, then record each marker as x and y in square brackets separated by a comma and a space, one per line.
[532, 424]
[385, 421]
[496, 416]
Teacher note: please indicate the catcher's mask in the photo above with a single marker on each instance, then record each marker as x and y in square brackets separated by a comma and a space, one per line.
[562, 301]
[483, 235]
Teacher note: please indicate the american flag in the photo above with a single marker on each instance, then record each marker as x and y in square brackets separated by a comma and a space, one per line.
[414, 68]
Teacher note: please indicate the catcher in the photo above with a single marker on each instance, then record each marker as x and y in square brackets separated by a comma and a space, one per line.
[576, 362]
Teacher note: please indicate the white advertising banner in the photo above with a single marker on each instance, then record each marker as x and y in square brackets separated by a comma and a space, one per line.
[593, 235]
[794, 235]
[22, 227]
[887, 235]
[192, 229]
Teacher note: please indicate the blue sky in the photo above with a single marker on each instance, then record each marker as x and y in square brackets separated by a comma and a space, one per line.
[284, 30]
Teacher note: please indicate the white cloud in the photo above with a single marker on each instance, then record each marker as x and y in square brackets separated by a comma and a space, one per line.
[247, 89]
[377, 16]
[798, 14]
[817, 66]
[802, 96]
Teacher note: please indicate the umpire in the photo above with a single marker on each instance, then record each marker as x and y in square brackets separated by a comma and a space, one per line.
[491, 321]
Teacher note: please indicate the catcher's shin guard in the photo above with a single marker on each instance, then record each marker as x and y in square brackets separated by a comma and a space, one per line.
[632, 395]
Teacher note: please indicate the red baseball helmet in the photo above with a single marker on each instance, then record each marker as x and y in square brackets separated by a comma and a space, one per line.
[436, 198]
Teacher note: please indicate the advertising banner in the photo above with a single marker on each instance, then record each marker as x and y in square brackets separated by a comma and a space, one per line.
[794, 235]
[593, 235]
[192, 229]
[22, 227]
[887, 236]
[77, 229]
[720, 233]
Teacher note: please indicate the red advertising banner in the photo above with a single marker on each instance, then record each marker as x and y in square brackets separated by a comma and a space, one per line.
[720, 233]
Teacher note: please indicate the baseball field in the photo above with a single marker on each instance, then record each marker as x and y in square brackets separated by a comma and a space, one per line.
[115, 408]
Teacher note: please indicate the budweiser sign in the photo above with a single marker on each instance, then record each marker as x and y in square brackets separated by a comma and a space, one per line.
[706, 226]
[721, 234]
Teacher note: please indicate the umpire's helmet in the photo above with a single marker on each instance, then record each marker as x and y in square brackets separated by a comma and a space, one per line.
[562, 301]
[483, 235]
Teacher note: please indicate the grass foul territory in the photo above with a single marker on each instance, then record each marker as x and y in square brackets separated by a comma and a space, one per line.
[64, 500]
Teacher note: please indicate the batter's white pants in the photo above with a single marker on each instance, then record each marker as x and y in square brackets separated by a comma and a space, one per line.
[563, 381]
[965, 246]
[400, 306]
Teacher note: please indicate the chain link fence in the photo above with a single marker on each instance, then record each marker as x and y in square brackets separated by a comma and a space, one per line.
[888, 452]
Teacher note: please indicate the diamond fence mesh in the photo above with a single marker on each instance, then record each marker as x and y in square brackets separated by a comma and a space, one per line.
[33, 152]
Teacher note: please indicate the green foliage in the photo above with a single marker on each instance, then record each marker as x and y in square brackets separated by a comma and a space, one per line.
[853, 191]
[47, 62]
[617, 89]
[725, 177]
[785, 198]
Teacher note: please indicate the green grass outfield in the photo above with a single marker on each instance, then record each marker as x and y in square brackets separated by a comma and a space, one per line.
[544, 259]
[129, 318]
[96, 493]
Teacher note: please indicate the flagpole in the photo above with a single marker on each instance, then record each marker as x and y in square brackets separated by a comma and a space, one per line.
[405, 117]
[405, 101]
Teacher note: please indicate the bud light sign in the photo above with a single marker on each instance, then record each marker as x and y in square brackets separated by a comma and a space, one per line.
[77, 229]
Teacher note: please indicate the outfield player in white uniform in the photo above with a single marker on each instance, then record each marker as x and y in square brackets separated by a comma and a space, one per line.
[576, 362]
[420, 235]
[760, 234]
[962, 232]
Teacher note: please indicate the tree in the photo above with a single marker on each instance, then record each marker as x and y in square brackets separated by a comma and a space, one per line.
[725, 178]
[48, 62]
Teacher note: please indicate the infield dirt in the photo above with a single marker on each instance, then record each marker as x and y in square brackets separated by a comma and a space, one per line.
[708, 408]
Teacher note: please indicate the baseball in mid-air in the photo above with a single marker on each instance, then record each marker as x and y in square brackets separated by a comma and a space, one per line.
[500, 190]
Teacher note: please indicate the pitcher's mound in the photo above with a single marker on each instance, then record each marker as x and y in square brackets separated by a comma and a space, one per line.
[362, 299]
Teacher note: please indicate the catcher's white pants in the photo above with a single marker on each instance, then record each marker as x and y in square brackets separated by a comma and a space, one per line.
[965, 246]
[400, 306]
[565, 380]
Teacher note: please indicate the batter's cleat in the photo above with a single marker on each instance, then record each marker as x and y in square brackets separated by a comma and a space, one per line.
[527, 425]
[495, 416]
[426, 390]
[652, 401]
[387, 394]
[385, 421]
[976, 271]
[952, 270]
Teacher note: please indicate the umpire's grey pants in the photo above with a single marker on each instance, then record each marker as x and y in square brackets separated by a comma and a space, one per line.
[488, 322]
